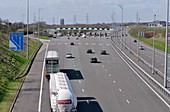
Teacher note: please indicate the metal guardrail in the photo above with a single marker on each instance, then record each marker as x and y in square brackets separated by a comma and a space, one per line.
[155, 82]
[27, 67]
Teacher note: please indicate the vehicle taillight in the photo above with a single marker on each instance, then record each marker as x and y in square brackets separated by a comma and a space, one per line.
[64, 101]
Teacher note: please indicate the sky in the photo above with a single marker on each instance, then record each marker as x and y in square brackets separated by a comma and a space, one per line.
[98, 11]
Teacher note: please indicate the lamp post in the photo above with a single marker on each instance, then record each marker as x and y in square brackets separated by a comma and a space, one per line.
[27, 52]
[138, 40]
[39, 11]
[121, 7]
[153, 52]
[166, 47]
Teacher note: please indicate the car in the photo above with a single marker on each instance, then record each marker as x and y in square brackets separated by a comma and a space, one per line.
[72, 43]
[69, 55]
[89, 51]
[135, 41]
[93, 60]
[141, 48]
[103, 52]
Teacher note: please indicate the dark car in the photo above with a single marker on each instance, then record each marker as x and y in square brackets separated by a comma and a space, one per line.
[72, 43]
[135, 41]
[103, 52]
[89, 51]
[93, 60]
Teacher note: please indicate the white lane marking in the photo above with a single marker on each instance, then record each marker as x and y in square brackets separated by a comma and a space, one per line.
[103, 65]
[41, 86]
[142, 78]
[58, 43]
[108, 44]
[74, 65]
[79, 43]
[106, 69]
[86, 43]
[93, 43]
[88, 101]
[80, 82]
[65, 43]
[100, 44]
[120, 90]
[109, 75]
[114, 81]
[82, 90]
[127, 101]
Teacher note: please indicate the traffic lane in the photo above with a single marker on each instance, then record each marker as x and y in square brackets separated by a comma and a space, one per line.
[159, 64]
[99, 87]
[159, 55]
[138, 94]
[28, 98]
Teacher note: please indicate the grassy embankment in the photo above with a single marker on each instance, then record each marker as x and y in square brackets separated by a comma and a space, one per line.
[159, 38]
[44, 37]
[11, 63]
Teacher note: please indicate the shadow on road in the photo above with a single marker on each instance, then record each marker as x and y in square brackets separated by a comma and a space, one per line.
[72, 74]
[88, 104]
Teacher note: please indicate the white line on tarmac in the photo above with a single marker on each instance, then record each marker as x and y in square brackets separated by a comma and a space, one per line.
[41, 86]
[114, 81]
[83, 90]
[127, 101]
[120, 90]
[142, 78]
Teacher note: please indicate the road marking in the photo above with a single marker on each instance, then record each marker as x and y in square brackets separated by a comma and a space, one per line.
[86, 43]
[141, 77]
[100, 44]
[74, 65]
[93, 43]
[106, 69]
[83, 90]
[88, 101]
[65, 43]
[80, 82]
[127, 101]
[79, 43]
[109, 75]
[103, 65]
[41, 86]
[108, 44]
[114, 81]
[58, 43]
[120, 90]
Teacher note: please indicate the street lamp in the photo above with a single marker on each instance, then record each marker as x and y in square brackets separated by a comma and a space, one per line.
[166, 47]
[121, 7]
[138, 40]
[153, 52]
[27, 52]
[39, 11]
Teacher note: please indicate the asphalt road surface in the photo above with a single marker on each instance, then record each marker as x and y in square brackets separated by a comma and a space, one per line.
[107, 86]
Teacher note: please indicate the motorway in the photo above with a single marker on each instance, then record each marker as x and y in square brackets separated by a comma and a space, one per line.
[146, 54]
[109, 86]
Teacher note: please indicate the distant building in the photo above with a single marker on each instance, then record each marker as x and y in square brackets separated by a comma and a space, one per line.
[62, 21]
[157, 24]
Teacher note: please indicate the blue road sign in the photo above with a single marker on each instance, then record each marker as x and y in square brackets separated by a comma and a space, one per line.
[16, 41]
